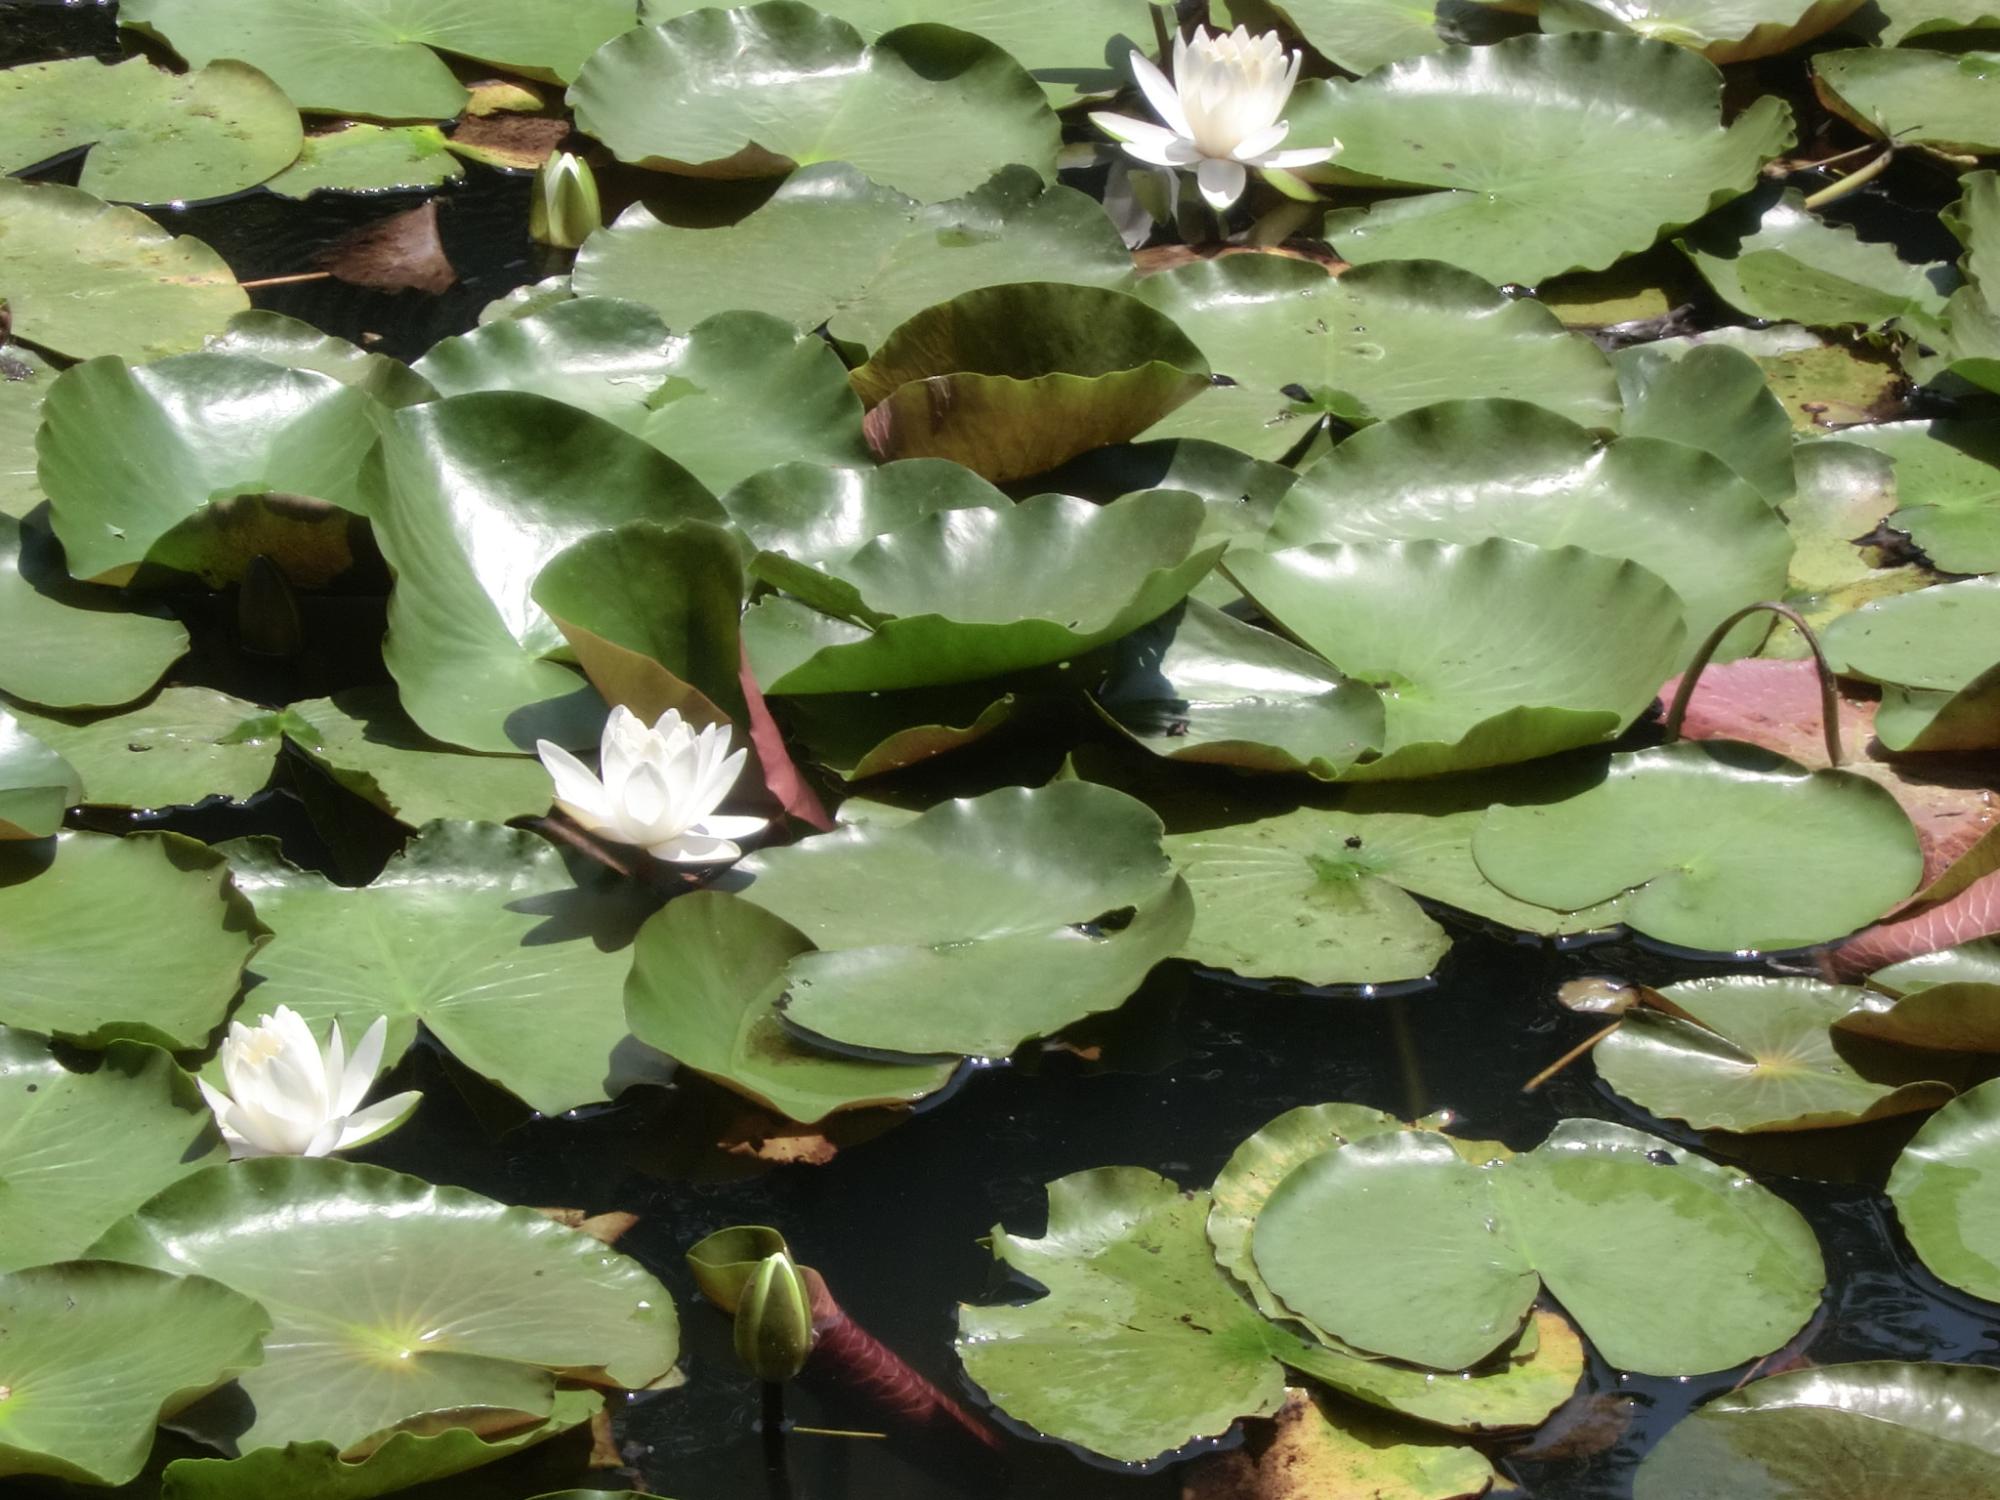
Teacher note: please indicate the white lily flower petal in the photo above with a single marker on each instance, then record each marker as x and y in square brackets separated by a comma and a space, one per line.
[1160, 92]
[624, 743]
[359, 1075]
[730, 826]
[1153, 144]
[1304, 156]
[693, 849]
[377, 1120]
[1261, 142]
[287, 1095]
[580, 793]
[1221, 182]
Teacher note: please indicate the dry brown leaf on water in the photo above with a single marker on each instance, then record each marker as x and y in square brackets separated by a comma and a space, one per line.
[515, 142]
[1326, 1449]
[606, 1228]
[403, 252]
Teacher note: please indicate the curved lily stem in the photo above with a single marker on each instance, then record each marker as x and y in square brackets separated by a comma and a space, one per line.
[1570, 1056]
[1860, 177]
[1829, 696]
[1163, 36]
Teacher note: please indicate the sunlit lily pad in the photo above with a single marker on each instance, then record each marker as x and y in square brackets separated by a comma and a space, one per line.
[1930, 1005]
[85, 277]
[1837, 1432]
[1723, 31]
[154, 136]
[80, 1149]
[105, 939]
[363, 158]
[1916, 96]
[831, 247]
[1379, 339]
[1532, 141]
[406, 1300]
[1396, 1243]
[37, 786]
[1361, 35]
[25, 378]
[818, 515]
[733, 395]
[705, 973]
[1461, 688]
[1947, 488]
[1713, 397]
[181, 746]
[1714, 841]
[279, 340]
[374, 57]
[98, 1354]
[757, 91]
[1905, 20]
[1462, 471]
[478, 932]
[980, 924]
[1759, 1053]
[1937, 654]
[1946, 1188]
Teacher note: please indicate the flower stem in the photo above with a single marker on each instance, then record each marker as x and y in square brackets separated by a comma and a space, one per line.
[1860, 177]
[1829, 695]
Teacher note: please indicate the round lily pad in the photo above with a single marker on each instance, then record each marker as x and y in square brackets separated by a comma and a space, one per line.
[1946, 1188]
[37, 786]
[1398, 1244]
[1949, 1000]
[1362, 35]
[983, 923]
[154, 136]
[757, 91]
[705, 973]
[1723, 31]
[279, 340]
[816, 515]
[1710, 839]
[1916, 96]
[25, 378]
[363, 158]
[184, 745]
[406, 1300]
[1937, 652]
[1947, 488]
[1712, 397]
[1532, 141]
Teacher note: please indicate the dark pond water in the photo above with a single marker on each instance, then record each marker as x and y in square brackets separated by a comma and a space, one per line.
[1194, 1063]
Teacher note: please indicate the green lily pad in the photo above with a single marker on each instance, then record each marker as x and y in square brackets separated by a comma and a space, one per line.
[830, 247]
[1532, 141]
[25, 378]
[85, 277]
[1712, 397]
[362, 158]
[279, 340]
[1380, 339]
[983, 923]
[1915, 96]
[1946, 1188]
[1836, 1432]
[1240, 417]
[1937, 653]
[374, 57]
[1905, 20]
[1139, 1315]
[757, 91]
[1791, 267]
[1397, 1243]
[1930, 1009]
[1710, 839]
[1362, 35]
[1758, 1053]
[478, 932]
[1013, 380]
[1947, 488]
[735, 394]
[1977, 962]
[1723, 31]
[154, 136]
[130, 453]
[1460, 687]
[818, 515]
[364, 740]
[1067, 45]
[184, 745]
[706, 971]
[106, 939]
[972, 593]
[1822, 383]
[37, 786]
[1845, 493]
[1328, 1449]
[1463, 471]
[474, 496]
[79, 1150]
[97, 1355]
[858, 735]
[407, 1299]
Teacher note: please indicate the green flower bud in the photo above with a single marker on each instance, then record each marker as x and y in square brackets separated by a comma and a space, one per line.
[774, 1326]
[565, 207]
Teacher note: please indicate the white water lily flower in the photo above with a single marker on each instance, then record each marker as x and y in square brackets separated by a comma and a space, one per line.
[657, 788]
[1221, 111]
[288, 1097]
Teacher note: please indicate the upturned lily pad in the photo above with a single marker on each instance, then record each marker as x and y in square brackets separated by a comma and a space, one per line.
[983, 923]
[364, 740]
[1759, 1053]
[1722, 846]
[1712, 397]
[758, 91]
[279, 340]
[1836, 1432]
[1723, 31]
[1425, 623]
[972, 593]
[1013, 380]
[830, 247]
[858, 735]
[1946, 1188]
[478, 932]
[407, 1300]
[1319, 1448]
[130, 453]
[733, 395]
[1947, 488]
[82, 1148]
[97, 1355]
[37, 786]
[1532, 141]
[817, 515]
[184, 745]
[1398, 1244]
[706, 972]
[105, 939]
[363, 158]
[1928, 1007]
[154, 136]
[1139, 1316]
[473, 497]
[1379, 339]
[1937, 654]
[1462, 471]
[84, 277]
[374, 57]
[1916, 96]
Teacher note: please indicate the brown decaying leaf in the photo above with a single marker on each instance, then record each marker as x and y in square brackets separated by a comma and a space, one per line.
[403, 252]
[1157, 258]
[607, 1229]
[518, 142]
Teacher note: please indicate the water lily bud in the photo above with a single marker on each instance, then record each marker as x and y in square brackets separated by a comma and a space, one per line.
[774, 1331]
[566, 207]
